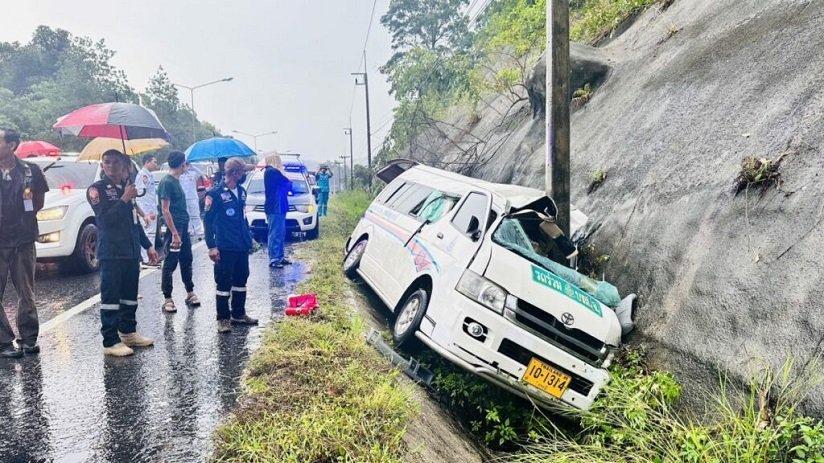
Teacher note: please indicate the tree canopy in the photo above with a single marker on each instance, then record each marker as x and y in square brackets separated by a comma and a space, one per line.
[56, 73]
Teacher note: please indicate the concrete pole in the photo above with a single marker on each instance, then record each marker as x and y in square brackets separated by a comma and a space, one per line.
[557, 112]
[348, 131]
[344, 171]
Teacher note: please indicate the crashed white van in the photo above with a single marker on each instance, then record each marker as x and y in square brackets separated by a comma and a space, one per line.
[462, 264]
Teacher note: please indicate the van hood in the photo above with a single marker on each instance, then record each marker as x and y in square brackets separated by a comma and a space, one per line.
[54, 198]
[538, 287]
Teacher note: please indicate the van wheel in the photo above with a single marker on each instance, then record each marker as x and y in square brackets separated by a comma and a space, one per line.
[84, 257]
[409, 317]
[352, 260]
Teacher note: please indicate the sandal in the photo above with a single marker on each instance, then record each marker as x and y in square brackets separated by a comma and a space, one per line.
[169, 307]
[192, 301]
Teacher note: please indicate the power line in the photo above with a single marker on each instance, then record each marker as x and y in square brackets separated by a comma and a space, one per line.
[362, 60]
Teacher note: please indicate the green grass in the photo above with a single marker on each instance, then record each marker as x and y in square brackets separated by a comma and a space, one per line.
[315, 391]
[598, 18]
[636, 421]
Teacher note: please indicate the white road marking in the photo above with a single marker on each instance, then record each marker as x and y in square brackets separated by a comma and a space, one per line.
[94, 300]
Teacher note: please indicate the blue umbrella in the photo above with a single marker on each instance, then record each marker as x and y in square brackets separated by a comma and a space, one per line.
[216, 148]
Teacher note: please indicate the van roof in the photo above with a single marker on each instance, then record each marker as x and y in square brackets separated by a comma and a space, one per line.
[518, 196]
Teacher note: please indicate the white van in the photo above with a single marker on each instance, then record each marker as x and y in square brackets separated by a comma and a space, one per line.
[462, 264]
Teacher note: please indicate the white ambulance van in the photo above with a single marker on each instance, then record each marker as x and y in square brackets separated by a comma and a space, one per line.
[463, 265]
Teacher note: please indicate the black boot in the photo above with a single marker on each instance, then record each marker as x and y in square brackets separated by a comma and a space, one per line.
[8, 351]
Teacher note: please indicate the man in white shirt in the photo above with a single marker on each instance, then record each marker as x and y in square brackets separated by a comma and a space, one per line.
[188, 181]
[146, 184]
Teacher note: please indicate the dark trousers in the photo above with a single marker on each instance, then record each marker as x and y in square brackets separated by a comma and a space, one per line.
[231, 273]
[184, 257]
[19, 262]
[118, 298]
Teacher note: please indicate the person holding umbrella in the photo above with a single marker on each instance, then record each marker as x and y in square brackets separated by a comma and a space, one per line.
[120, 238]
[229, 242]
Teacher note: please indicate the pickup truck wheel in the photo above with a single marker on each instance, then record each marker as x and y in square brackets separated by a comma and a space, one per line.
[352, 260]
[84, 257]
[409, 318]
[314, 233]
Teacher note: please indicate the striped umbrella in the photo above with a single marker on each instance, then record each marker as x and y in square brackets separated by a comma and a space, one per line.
[124, 121]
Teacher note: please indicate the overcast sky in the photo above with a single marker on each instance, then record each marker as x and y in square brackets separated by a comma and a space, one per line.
[291, 61]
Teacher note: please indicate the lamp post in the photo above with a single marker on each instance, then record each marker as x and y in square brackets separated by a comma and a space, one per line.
[344, 171]
[192, 94]
[348, 131]
[255, 137]
[365, 83]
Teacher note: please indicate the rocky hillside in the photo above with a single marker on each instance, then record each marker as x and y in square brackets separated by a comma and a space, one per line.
[682, 96]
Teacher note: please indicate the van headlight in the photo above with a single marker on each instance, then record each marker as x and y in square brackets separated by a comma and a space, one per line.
[482, 290]
[52, 213]
[305, 208]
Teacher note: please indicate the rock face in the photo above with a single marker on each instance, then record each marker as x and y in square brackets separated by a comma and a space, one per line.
[731, 282]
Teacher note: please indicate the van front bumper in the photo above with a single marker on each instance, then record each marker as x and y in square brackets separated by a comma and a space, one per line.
[502, 354]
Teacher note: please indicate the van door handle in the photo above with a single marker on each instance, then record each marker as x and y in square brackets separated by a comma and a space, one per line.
[439, 235]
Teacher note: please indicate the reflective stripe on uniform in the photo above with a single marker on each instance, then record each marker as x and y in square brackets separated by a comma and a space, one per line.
[109, 306]
[125, 302]
[241, 289]
[223, 293]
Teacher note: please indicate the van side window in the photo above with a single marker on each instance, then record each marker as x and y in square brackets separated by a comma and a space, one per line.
[413, 199]
[396, 196]
[475, 205]
[436, 205]
[389, 191]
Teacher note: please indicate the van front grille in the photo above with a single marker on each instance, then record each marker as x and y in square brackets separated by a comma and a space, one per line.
[574, 341]
[522, 355]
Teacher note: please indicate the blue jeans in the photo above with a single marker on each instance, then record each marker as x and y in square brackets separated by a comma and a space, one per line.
[323, 199]
[277, 236]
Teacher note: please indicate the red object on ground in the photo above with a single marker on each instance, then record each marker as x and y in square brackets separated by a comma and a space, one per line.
[29, 149]
[302, 304]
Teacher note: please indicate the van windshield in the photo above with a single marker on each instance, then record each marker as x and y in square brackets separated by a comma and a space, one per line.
[522, 235]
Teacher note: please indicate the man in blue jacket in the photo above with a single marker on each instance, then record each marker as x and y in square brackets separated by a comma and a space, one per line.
[119, 239]
[229, 242]
[277, 188]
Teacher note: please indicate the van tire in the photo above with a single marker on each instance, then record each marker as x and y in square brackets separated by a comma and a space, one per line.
[84, 258]
[408, 318]
[314, 233]
[352, 260]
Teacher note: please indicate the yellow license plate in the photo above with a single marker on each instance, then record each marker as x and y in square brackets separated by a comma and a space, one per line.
[546, 378]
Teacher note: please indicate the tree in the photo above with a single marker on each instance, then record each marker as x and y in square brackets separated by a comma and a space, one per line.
[436, 25]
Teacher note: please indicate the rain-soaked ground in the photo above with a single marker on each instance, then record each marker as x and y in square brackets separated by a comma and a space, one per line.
[72, 404]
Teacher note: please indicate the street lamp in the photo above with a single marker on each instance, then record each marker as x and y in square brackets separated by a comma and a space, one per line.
[192, 94]
[364, 80]
[255, 137]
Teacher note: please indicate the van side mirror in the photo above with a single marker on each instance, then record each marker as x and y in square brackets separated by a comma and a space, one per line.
[474, 228]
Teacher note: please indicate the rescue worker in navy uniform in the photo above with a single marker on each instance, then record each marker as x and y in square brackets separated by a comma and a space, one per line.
[119, 239]
[229, 242]
[22, 194]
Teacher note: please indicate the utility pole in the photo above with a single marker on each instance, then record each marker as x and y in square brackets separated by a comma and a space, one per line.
[365, 83]
[344, 170]
[348, 131]
[337, 163]
[557, 111]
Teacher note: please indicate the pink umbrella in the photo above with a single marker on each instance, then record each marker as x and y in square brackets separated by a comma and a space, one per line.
[29, 149]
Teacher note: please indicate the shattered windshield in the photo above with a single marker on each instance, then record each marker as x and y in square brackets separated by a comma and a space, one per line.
[521, 233]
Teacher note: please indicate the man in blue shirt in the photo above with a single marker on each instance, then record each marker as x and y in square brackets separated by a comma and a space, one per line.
[322, 177]
[277, 188]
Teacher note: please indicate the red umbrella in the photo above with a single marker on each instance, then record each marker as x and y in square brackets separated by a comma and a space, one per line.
[125, 121]
[29, 149]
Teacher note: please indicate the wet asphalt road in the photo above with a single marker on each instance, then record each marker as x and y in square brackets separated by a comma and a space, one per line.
[72, 404]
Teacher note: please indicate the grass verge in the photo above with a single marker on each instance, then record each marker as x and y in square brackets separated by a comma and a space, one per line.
[597, 19]
[315, 391]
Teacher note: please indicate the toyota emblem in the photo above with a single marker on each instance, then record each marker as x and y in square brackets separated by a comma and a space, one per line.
[567, 318]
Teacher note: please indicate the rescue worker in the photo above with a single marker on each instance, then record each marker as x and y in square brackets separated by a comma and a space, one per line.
[322, 177]
[147, 185]
[229, 242]
[119, 239]
[23, 189]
